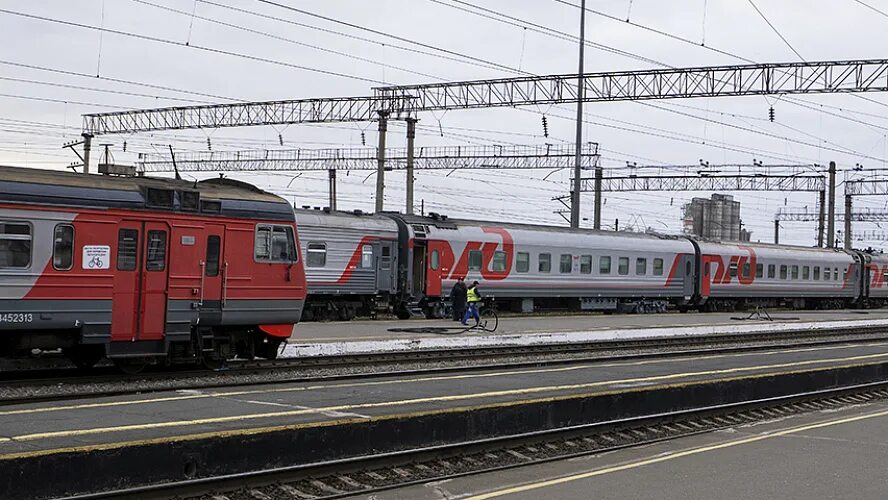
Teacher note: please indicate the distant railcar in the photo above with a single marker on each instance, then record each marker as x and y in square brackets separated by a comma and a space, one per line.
[143, 270]
[351, 263]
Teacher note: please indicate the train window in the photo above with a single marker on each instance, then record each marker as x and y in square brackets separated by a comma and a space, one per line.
[367, 257]
[127, 249]
[759, 270]
[155, 257]
[63, 247]
[283, 246]
[566, 263]
[386, 257]
[641, 266]
[15, 244]
[795, 272]
[211, 207]
[771, 271]
[658, 267]
[586, 264]
[747, 270]
[275, 244]
[826, 274]
[475, 259]
[623, 266]
[522, 262]
[783, 272]
[498, 264]
[262, 245]
[316, 254]
[214, 248]
[817, 273]
[732, 269]
[835, 274]
[604, 264]
[545, 262]
[806, 273]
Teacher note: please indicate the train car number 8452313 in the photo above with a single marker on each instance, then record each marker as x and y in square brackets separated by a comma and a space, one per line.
[16, 317]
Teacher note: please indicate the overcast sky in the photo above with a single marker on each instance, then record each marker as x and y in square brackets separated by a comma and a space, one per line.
[283, 54]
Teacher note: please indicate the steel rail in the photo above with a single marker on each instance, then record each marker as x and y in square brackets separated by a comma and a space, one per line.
[68, 388]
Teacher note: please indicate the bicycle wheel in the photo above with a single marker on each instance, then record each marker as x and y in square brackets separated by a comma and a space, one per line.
[489, 320]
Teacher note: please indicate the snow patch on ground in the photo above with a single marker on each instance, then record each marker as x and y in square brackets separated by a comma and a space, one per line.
[470, 339]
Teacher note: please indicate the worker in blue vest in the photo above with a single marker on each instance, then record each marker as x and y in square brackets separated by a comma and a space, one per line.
[473, 298]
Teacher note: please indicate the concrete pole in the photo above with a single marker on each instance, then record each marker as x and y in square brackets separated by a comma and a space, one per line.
[820, 218]
[87, 146]
[847, 222]
[380, 161]
[776, 232]
[332, 189]
[596, 219]
[411, 135]
[831, 216]
[575, 192]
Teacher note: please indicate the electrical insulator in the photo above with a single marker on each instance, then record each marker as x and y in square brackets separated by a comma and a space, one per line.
[545, 127]
[363, 139]
[281, 139]
[771, 113]
[124, 146]
[209, 145]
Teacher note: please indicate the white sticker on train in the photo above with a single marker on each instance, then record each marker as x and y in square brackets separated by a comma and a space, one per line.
[96, 257]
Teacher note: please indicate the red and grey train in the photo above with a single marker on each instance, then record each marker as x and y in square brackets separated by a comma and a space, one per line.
[358, 262]
[143, 270]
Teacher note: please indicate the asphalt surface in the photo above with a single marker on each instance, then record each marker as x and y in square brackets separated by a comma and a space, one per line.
[39, 429]
[337, 331]
[823, 455]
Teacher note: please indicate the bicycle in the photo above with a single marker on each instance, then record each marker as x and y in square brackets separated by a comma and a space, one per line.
[489, 320]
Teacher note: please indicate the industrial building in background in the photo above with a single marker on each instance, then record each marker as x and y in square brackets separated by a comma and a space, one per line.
[717, 218]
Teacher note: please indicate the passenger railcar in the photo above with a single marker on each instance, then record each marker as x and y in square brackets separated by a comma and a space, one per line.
[145, 270]
[527, 267]
[735, 275]
[351, 263]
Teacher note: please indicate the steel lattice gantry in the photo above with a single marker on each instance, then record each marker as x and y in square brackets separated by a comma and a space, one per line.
[714, 81]
[405, 101]
[860, 187]
[806, 216]
[239, 114]
[670, 183]
[708, 183]
[427, 158]
[867, 75]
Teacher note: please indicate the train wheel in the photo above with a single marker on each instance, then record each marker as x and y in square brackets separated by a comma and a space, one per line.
[131, 366]
[85, 357]
[268, 348]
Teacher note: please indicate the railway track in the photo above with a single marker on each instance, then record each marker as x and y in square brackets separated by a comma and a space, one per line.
[43, 386]
[369, 474]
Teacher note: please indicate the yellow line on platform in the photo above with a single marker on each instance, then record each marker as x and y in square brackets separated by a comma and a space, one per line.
[438, 378]
[673, 456]
[221, 434]
[444, 399]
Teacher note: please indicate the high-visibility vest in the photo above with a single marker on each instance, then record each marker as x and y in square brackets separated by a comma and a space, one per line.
[472, 296]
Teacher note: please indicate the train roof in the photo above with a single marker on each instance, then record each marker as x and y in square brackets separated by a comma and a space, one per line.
[353, 220]
[217, 196]
[448, 223]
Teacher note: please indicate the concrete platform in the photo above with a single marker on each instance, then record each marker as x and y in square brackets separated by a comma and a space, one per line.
[338, 331]
[826, 455]
[157, 437]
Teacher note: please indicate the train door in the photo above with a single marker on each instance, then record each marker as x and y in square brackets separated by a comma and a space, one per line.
[385, 268]
[419, 268]
[211, 279]
[155, 289]
[139, 306]
[127, 295]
